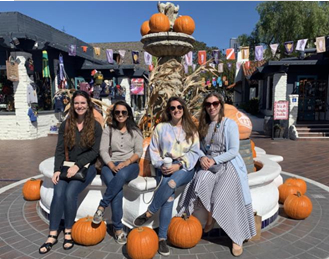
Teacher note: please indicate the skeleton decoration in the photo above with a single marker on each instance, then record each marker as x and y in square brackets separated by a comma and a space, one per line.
[170, 10]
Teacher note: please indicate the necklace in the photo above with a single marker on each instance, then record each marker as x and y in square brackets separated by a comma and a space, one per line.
[173, 130]
[212, 136]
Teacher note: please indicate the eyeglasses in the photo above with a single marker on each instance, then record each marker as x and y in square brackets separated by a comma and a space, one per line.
[117, 113]
[215, 104]
[179, 107]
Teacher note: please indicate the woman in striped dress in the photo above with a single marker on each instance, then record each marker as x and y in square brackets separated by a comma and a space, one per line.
[222, 183]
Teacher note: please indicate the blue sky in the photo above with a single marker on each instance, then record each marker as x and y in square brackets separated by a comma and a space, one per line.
[114, 21]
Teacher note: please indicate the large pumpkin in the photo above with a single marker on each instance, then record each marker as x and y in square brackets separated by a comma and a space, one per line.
[184, 24]
[145, 160]
[31, 189]
[253, 149]
[85, 232]
[184, 232]
[285, 190]
[298, 182]
[159, 22]
[243, 121]
[142, 243]
[298, 206]
[145, 28]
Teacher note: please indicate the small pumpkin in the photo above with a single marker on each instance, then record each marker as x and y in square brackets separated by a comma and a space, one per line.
[184, 24]
[243, 121]
[159, 22]
[142, 243]
[298, 206]
[31, 189]
[145, 28]
[285, 190]
[184, 232]
[298, 182]
[85, 232]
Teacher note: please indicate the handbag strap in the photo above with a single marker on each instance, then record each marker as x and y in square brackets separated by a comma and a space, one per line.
[110, 144]
[65, 143]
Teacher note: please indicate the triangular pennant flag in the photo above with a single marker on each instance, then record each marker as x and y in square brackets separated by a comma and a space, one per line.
[189, 58]
[230, 55]
[289, 46]
[135, 56]
[301, 44]
[97, 51]
[72, 50]
[259, 51]
[122, 53]
[220, 68]
[109, 55]
[202, 57]
[186, 68]
[274, 48]
[215, 56]
[245, 52]
[147, 58]
[84, 48]
[320, 44]
[229, 66]
[193, 67]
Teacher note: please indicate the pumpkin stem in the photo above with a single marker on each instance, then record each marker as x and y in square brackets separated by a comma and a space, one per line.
[298, 194]
[184, 216]
[140, 229]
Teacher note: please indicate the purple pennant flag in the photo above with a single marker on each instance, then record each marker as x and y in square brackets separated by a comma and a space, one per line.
[109, 55]
[215, 56]
[147, 58]
[229, 66]
[193, 67]
[289, 46]
[259, 51]
[135, 56]
[189, 58]
[186, 68]
[72, 50]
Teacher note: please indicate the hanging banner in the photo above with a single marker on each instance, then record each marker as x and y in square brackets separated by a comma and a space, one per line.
[193, 67]
[147, 58]
[97, 51]
[137, 86]
[45, 65]
[61, 71]
[281, 110]
[289, 46]
[109, 55]
[229, 66]
[185, 68]
[301, 44]
[84, 48]
[259, 51]
[135, 56]
[220, 67]
[202, 57]
[189, 58]
[72, 50]
[122, 53]
[215, 56]
[230, 55]
[320, 44]
[274, 48]
[245, 52]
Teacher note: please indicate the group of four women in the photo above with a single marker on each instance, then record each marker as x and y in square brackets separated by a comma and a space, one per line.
[205, 159]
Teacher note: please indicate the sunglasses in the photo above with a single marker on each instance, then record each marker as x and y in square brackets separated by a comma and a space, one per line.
[179, 107]
[215, 104]
[124, 113]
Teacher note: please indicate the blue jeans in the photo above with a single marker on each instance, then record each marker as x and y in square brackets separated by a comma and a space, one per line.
[164, 197]
[114, 191]
[65, 200]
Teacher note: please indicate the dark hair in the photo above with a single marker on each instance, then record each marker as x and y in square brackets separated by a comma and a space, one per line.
[88, 134]
[130, 122]
[204, 116]
[187, 122]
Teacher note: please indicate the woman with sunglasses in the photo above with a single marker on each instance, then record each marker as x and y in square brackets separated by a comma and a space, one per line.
[121, 147]
[222, 183]
[176, 137]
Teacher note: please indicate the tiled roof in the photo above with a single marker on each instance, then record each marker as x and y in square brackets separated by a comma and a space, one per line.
[250, 67]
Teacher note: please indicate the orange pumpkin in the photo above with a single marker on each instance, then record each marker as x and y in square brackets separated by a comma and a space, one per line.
[298, 206]
[184, 232]
[159, 22]
[285, 190]
[142, 243]
[31, 189]
[85, 232]
[145, 28]
[298, 182]
[243, 121]
[184, 24]
[145, 160]
[253, 149]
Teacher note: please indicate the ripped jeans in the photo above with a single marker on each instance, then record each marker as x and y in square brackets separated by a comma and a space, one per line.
[165, 195]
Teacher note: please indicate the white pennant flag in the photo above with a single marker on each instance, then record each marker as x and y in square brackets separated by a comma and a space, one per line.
[122, 53]
[189, 58]
[301, 44]
[220, 68]
[274, 48]
[193, 67]
[320, 44]
[147, 58]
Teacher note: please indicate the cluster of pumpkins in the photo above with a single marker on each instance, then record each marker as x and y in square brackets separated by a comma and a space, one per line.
[292, 195]
[159, 22]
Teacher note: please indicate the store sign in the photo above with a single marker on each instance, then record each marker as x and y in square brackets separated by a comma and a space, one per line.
[281, 110]
[137, 86]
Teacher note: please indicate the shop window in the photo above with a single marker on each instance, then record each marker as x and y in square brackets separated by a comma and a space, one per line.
[7, 102]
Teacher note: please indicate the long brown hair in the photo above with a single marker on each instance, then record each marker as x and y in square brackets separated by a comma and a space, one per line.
[187, 122]
[88, 133]
[205, 118]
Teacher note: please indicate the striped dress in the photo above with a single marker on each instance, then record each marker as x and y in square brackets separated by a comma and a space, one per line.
[220, 193]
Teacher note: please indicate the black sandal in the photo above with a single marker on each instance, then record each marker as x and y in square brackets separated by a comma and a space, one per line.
[48, 245]
[68, 241]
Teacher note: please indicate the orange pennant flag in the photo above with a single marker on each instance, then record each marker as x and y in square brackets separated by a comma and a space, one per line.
[230, 54]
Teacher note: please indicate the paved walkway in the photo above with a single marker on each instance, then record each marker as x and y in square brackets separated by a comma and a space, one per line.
[22, 231]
